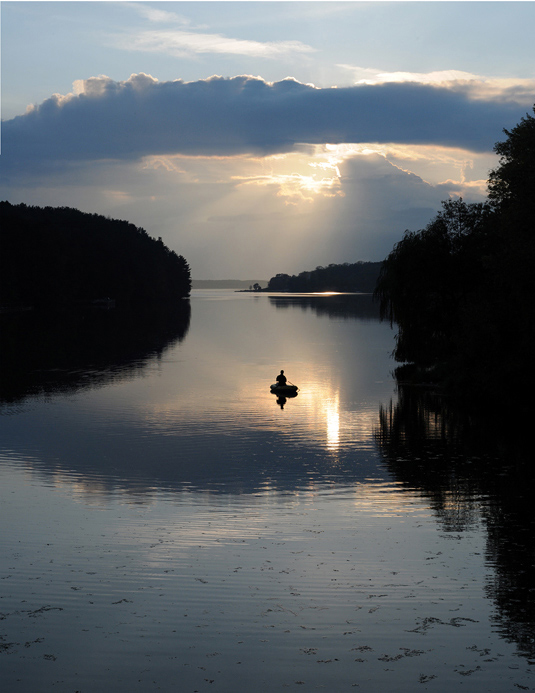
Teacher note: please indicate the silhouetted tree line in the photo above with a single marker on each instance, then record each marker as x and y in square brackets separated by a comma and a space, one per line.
[355, 277]
[461, 290]
[61, 256]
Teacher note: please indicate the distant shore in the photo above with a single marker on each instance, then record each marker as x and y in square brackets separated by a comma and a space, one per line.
[227, 283]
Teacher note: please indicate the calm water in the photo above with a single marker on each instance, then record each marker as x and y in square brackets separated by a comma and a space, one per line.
[168, 524]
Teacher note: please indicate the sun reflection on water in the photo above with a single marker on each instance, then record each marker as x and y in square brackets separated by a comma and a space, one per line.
[332, 422]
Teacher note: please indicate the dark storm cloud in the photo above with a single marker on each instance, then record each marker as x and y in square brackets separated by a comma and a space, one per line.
[243, 115]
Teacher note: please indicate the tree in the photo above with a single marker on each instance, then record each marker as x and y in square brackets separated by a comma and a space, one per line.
[512, 182]
[358, 277]
[461, 290]
[59, 256]
[425, 279]
[499, 336]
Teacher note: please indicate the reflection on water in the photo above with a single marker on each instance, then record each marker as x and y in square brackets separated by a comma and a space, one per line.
[332, 420]
[349, 306]
[177, 526]
[200, 414]
[473, 469]
[58, 352]
[282, 399]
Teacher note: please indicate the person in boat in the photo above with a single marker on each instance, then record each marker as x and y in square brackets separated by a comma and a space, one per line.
[281, 378]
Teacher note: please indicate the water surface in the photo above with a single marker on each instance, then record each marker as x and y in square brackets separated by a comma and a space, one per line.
[168, 524]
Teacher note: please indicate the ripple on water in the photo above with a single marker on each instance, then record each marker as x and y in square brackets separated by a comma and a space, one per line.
[347, 582]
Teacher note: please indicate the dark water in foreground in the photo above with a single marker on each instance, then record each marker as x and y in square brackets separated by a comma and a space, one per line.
[168, 525]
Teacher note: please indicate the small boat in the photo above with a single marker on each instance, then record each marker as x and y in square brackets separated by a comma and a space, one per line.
[286, 390]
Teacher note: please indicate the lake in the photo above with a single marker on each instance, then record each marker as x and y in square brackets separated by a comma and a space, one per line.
[168, 524]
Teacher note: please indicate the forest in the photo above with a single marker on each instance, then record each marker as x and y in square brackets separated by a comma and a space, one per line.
[359, 277]
[460, 291]
[57, 257]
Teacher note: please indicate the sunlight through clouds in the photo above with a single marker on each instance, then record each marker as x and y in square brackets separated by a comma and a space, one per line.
[435, 165]
[289, 175]
[296, 185]
[444, 166]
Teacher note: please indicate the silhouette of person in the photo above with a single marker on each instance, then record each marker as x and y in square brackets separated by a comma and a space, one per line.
[281, 378]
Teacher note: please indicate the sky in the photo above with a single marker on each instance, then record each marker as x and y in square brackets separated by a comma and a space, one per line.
[261, 137]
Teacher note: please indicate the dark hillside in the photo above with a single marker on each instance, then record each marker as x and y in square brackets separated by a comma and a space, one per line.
[60, 256]
[360, 277]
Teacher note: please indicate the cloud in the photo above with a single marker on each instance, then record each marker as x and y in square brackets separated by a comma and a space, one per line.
[179, 43]
[443, 77]
[132, 119]
[521, 91]
[155, 14]
[176, 41]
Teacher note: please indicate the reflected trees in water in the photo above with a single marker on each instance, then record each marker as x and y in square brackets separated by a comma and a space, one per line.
[337, 306]
[46, 352]
[473, 468]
